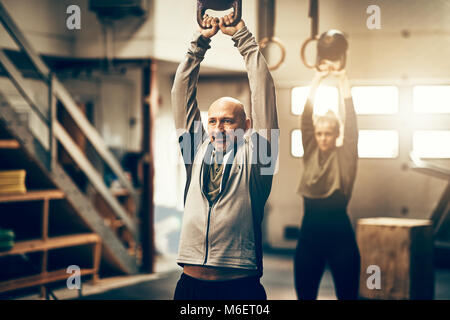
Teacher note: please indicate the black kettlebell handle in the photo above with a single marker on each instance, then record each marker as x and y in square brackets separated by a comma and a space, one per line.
[202, 7]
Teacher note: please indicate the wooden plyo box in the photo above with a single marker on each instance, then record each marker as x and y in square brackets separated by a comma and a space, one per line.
[403, 251]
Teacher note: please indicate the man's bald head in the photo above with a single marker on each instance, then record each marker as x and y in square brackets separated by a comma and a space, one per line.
[227, 105]
[225, 115]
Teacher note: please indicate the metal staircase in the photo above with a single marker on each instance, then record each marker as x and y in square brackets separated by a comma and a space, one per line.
[41, 152]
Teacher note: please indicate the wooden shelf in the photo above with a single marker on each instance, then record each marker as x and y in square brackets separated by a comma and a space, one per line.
[22, 247]
[32, 196]
[9, 144]
[40, 279]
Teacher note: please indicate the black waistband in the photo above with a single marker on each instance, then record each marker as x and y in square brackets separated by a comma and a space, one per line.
[335, 202]
[186, 277]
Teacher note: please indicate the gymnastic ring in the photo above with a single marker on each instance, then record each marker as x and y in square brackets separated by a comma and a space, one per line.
[265, 41]
[302, 52]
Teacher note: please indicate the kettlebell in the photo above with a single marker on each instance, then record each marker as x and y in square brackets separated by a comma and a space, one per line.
[219, 5]
[331, 45]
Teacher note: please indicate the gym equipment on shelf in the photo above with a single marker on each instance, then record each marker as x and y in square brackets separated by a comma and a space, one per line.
[6, 239]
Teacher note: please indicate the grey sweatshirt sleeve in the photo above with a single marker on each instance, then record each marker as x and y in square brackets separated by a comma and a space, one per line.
[184, 90]
[263, 100]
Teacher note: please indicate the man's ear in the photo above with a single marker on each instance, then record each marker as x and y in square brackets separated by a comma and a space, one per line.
[248, 123]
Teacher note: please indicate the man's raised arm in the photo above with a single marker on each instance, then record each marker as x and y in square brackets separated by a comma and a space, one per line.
[263, 98]
[184, 90]
[188, 123]
[263, 111]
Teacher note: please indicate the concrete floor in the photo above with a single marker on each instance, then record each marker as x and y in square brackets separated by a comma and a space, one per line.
[278, 280]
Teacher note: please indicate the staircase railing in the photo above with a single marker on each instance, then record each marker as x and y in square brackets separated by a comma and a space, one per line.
[56, 132]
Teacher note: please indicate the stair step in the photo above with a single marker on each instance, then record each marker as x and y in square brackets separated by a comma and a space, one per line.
[27, 246]
[122, 192]
[9, 144]
[33, 195]
[39, 279]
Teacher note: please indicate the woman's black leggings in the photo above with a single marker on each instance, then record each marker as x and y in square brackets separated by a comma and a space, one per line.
[326, 236]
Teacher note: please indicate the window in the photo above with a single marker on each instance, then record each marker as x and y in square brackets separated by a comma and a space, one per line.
[296, 143]
[327, 98]
[431, 144]
[378, 144]
[375, 99]
[431, 99]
